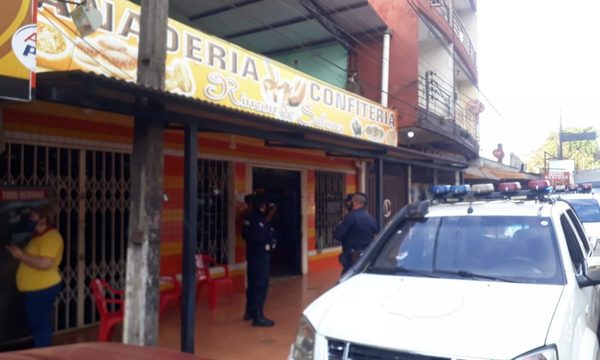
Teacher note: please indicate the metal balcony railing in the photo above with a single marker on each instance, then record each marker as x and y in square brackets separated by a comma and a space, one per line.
[461, 33]
[457, 27]
[437, 97]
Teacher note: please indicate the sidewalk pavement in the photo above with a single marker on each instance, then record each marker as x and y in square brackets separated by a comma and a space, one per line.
[223, 335]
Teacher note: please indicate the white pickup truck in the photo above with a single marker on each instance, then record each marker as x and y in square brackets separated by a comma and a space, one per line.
[475, 275]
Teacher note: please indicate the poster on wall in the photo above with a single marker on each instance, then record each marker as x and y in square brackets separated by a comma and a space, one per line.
[17, 49]
[209, 69]
[15, 206]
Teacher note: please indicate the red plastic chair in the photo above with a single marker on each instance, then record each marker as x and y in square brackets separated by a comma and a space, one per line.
[204, 263]
[104, 294]
[170, 290]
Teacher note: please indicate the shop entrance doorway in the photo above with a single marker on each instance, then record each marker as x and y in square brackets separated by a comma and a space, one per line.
[282, 187]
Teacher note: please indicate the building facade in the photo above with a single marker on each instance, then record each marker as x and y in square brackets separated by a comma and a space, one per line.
[286, 98]
[432, 82]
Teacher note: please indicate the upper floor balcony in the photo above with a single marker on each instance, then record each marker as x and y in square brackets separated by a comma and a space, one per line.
[450, 119]
[461, 33]
[453, 18]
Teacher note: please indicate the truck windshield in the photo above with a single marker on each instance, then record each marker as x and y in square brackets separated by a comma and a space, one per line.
[521, 249]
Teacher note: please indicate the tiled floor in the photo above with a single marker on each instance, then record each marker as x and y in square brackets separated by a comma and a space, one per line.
[222, 335]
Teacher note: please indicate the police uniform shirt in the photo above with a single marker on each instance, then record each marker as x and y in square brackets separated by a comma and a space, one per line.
[257, 232]
[357, 230]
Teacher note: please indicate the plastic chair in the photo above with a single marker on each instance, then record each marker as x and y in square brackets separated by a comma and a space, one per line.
[204, 263]
[170, 290]
[104, 294]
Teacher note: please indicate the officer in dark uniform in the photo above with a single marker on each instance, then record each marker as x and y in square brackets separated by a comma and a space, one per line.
[259, 236]
[356, 231]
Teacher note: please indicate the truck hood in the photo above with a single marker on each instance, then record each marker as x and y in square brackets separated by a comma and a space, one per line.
[437, 317]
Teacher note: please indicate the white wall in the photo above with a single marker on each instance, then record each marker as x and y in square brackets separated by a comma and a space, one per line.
[434, 55]
[469, 20]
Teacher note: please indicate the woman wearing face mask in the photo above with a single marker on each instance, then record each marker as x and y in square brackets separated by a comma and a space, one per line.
[38, 276]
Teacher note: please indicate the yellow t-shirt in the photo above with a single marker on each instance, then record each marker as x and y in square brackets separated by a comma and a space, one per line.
[48, 244]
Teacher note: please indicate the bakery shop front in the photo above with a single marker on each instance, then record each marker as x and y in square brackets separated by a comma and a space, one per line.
[259, 126]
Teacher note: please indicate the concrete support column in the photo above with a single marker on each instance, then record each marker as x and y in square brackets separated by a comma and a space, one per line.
[362, 176]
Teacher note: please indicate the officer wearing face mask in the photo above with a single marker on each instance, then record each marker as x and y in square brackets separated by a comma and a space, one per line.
[38, 276]
[356, 231]
[348, 203]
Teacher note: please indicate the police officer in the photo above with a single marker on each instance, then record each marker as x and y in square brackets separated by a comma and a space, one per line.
[259, 236]
[356, 231]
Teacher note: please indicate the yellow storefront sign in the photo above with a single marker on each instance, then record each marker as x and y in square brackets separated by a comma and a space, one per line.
[207, 68]
[17, 49]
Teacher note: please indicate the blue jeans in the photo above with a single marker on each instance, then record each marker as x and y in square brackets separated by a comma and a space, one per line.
[39, 305]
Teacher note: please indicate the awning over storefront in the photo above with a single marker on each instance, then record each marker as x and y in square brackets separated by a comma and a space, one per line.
[221, 87]
[99, 92]
[497, 173]
[479, 173]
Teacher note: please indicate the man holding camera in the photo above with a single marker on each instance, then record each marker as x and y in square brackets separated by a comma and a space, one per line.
[260, 241]
[356, 231]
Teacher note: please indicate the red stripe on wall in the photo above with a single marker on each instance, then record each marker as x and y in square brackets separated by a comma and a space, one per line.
[19, 117]
[285, 155]
[240, 171]
[174, 165]
[240, 254]
[324, 263]
[351, 180]
[170, 265]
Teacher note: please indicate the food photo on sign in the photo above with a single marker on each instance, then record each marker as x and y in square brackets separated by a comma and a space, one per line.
[15, 229]
[209, 69]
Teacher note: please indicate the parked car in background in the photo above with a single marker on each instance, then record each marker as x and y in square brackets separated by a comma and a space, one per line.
[474, 274]
[587, 208]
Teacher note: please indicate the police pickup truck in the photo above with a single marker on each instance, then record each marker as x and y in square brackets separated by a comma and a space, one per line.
[476, 273]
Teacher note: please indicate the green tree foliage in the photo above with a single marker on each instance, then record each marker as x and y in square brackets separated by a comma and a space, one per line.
[585, 153]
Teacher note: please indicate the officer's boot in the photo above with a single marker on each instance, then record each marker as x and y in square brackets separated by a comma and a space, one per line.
[248, 314]
[261, 320]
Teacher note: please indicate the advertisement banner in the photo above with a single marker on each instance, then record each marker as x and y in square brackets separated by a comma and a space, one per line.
[15, 206]
[557, 178]
[210, 69]
[17, 49]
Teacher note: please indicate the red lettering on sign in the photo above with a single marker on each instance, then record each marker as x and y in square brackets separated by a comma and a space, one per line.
[31, 37]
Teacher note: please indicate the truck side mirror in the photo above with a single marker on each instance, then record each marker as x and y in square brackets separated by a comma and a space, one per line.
[592, 269]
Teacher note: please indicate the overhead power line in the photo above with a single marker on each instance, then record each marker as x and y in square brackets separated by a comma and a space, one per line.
[370, 85]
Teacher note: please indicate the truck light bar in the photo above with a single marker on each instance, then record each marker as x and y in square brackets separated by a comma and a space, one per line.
[540, 185]
[482, 189]
[508, 187]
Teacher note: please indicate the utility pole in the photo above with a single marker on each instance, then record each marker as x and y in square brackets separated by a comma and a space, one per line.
[143, 249]
[560, 134]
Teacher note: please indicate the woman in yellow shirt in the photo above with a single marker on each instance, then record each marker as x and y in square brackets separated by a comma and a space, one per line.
[38, 275]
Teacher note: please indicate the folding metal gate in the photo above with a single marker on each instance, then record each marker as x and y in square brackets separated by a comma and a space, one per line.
[213, 205]
[93, 199]
[330, 190]
[93, 189]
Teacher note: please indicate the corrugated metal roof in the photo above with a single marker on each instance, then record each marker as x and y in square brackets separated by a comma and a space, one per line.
[286, 24]
[495, 174]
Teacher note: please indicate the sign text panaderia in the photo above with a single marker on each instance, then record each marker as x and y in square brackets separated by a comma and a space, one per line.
[210, 69]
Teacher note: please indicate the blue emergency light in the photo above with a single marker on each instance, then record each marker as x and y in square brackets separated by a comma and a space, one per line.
[458, 190]
[438, 190]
